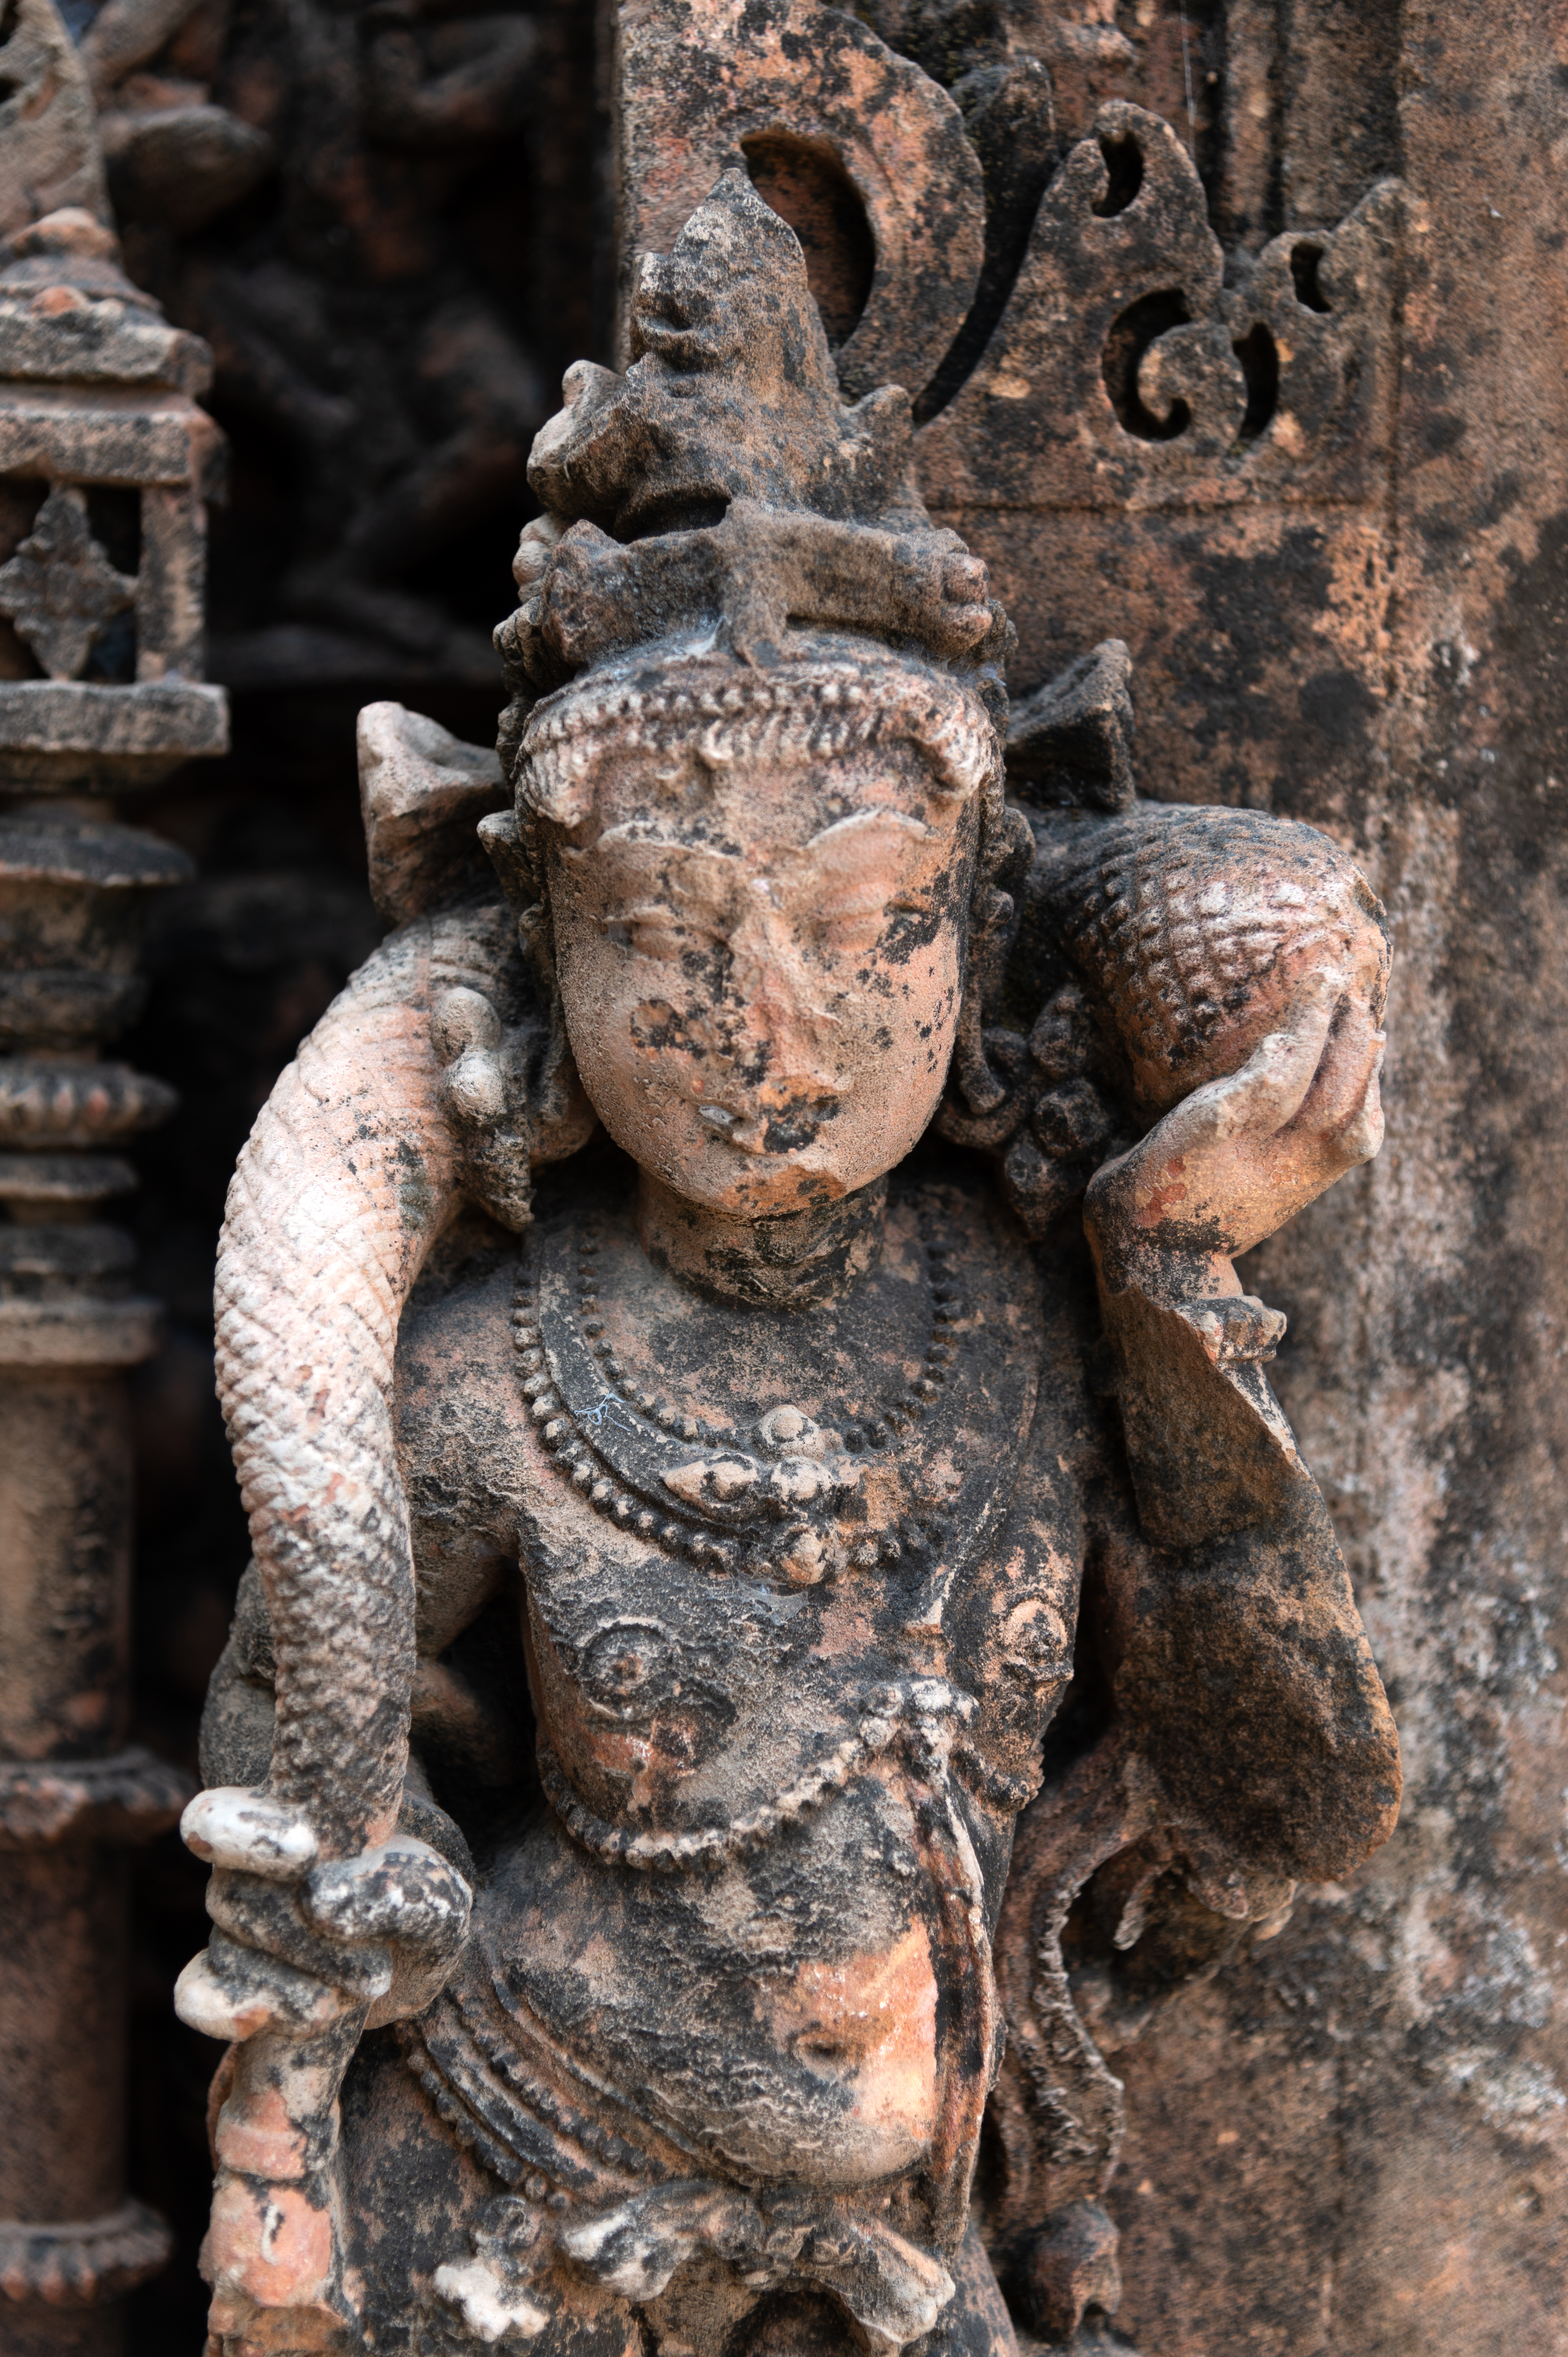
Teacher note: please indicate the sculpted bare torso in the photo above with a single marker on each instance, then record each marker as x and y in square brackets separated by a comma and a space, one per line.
[787, 1709]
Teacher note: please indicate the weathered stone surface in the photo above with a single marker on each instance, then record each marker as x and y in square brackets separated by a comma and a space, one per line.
[129, 1797]
[53, 1105]
[59, 588]
[82, 2263]
[103, 339]
[50, 431]
[421, 835]
[778, 90]
[95, 399]
[46, 123]
[77, 1333]
[38, 1180]
[73, 736]
[144, 723]
[368, 191]
[181, 166]
[106, 461]
[784, 1468]
[1440, 2124]
[1346, 2138]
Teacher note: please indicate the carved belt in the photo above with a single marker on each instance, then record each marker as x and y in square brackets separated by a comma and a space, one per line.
[584, 2163]
[583, 2156]
[893, 2290]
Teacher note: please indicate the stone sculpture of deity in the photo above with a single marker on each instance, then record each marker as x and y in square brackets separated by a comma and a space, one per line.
[777, 1570]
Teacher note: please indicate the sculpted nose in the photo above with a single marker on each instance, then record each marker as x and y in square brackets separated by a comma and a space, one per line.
[792, 1048]
[793, 1036]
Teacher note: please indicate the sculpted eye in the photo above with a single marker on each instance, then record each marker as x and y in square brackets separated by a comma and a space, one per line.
[861, 928]
[654, 934]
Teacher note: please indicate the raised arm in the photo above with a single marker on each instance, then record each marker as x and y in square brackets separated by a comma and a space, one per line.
[339, 1898]
[428, 1082]
[1183, 1038]
[1240, 1666]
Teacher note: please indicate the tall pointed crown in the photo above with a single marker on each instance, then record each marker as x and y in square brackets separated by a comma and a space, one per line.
[725, 545]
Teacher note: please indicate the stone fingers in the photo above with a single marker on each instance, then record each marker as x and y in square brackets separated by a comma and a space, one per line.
[233, 1991]
[1267, 1092]
[1271, 1088]
[1363, 1133]
[272, 1921]
[404, 1891]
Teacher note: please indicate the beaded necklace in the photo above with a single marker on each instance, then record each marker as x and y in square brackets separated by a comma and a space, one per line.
[779, 1499]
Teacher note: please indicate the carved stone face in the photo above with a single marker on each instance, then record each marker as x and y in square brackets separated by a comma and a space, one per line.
[761, 966]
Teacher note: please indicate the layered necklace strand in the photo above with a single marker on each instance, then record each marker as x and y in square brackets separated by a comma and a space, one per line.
[580, 1441]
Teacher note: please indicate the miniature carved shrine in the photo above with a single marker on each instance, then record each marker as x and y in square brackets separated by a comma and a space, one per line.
[766, 1503]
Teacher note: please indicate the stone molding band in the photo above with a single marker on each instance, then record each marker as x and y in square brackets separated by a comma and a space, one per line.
[79, 1332]
[130, 1797]
[169, 719]
[48, 1102]
[814, 711]
[79, 2265]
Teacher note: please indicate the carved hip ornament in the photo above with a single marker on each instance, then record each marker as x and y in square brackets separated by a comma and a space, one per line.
[764, 1489]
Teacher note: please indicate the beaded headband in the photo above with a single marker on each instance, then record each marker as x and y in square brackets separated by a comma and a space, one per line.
[801, 713]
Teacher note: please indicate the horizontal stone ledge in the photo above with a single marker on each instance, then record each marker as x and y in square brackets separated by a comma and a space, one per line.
[83, 434]
[178, 719]
[99, 340]
[39, 1180]
[131, 1797]
[64, 1261]
[52, 847]
[79, 1333]
[77, 2266]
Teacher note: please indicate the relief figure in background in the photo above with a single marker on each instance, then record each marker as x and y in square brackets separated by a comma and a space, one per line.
[773, 1537]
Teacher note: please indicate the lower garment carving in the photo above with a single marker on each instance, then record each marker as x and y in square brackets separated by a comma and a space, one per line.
[463, 2259]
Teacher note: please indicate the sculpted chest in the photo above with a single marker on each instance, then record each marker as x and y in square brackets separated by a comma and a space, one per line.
[758, 1547]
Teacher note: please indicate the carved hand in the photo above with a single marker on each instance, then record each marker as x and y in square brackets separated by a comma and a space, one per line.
[300, 1942]
[305, 1955]
[1235, 1160]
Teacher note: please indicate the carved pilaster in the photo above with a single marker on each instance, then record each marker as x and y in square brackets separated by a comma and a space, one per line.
[105, 460]
[72, 1792]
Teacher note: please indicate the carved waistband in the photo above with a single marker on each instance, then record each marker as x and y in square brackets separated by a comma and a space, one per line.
[523, 2108]
[623, 2199]
[928, 1709]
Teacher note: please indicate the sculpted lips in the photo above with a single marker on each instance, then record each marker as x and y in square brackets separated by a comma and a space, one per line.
[783, 1133]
